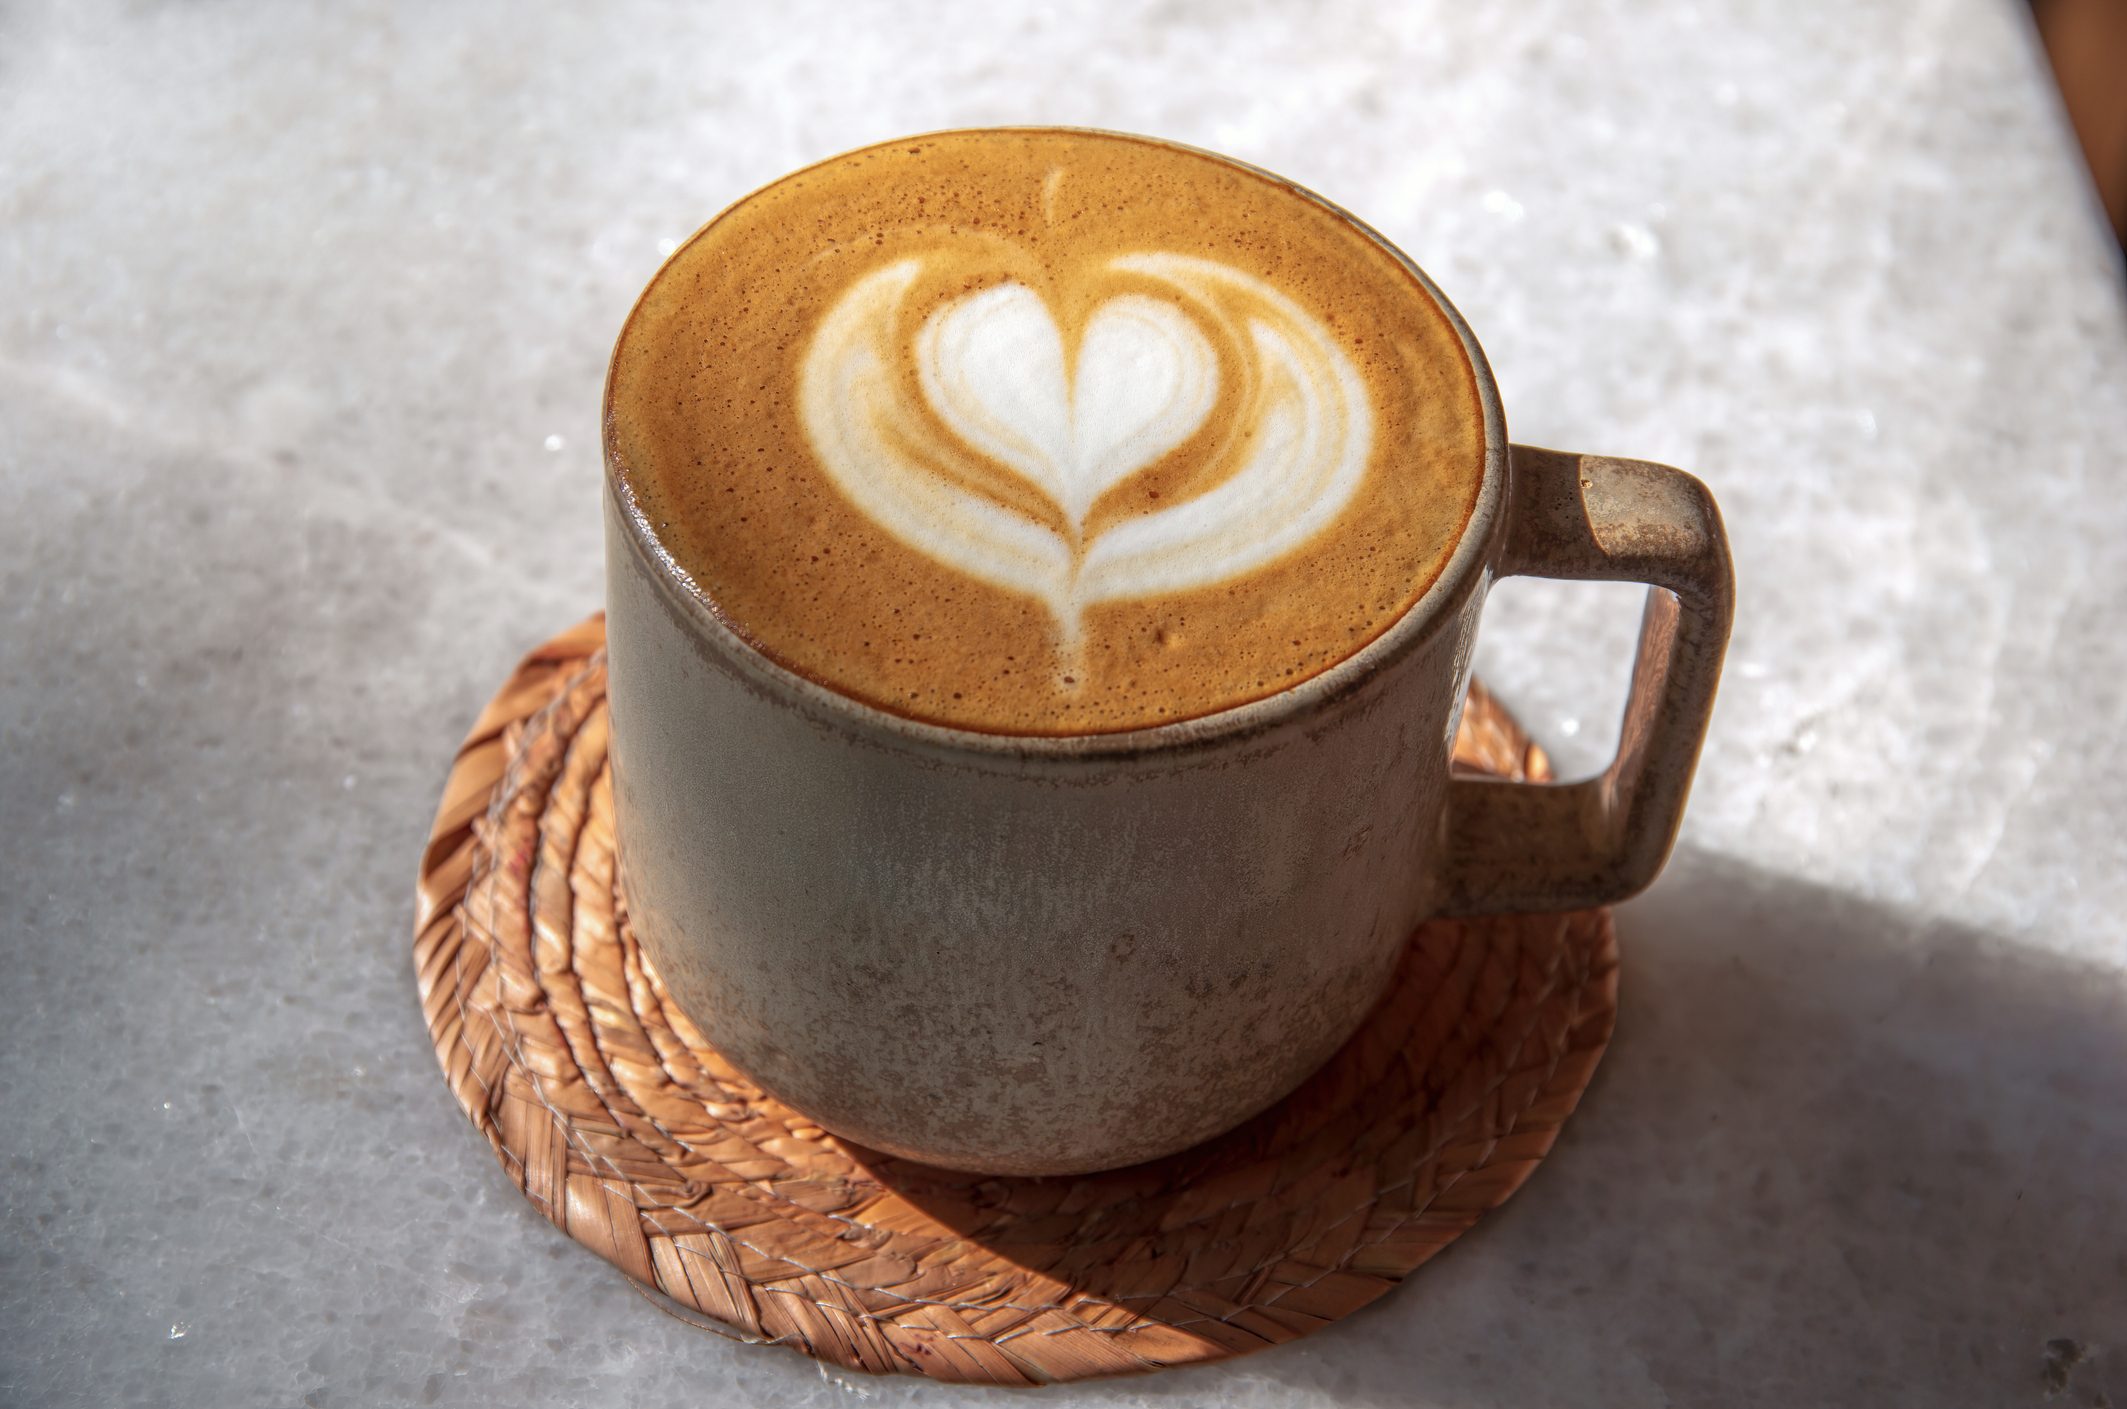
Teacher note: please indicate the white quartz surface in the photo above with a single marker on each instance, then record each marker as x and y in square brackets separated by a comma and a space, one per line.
[303, 315]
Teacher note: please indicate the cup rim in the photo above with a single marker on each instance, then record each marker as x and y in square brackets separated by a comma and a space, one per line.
[1409, 632]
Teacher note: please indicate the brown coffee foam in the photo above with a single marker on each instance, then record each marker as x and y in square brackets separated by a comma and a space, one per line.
[704, 431]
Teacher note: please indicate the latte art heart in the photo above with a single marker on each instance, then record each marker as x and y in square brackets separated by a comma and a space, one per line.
[993, 367]
[998, 388]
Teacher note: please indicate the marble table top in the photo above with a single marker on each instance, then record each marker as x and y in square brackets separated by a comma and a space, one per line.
[303, 316]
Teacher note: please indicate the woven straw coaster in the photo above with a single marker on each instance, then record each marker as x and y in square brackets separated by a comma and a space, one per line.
[635, 1138]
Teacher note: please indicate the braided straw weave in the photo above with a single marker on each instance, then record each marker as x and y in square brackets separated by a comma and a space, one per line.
[607, 1109]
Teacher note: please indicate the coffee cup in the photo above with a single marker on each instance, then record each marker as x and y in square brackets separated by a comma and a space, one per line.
[1043, 572]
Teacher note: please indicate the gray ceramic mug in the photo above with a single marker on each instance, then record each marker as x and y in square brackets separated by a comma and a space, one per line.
[1041, 955]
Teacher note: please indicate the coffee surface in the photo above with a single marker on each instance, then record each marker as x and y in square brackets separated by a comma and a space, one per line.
[1045, 432]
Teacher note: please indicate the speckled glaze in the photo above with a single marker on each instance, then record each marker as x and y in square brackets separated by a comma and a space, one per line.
[1050, 955]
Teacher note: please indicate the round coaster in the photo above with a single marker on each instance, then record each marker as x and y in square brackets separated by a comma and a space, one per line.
[606, 1107]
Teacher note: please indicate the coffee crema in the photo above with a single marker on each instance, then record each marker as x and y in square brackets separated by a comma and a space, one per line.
[1037, 431]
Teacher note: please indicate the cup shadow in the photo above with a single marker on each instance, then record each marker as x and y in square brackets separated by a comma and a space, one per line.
[1836, 1154]
[1261, 1213]
[1435, 1110]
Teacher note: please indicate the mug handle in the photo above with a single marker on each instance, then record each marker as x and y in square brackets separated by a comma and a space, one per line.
[1539, 846]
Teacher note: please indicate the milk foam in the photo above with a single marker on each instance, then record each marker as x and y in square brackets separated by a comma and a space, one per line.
[1004, 388]
[1047, 433]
